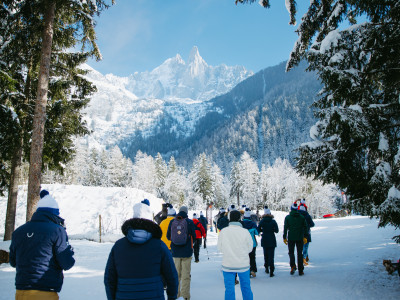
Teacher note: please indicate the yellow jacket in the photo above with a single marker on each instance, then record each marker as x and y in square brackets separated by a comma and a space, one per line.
[164, 228]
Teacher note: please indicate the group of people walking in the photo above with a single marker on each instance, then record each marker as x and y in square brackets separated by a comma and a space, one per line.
[155, 257]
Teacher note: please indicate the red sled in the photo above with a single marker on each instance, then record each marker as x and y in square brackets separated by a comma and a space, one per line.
[329, 216]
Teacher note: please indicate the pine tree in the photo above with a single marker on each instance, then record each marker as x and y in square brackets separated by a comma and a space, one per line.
[161, 174]
[201, 178]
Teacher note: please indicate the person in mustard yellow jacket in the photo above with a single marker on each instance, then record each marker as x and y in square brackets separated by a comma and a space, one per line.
[165, 223]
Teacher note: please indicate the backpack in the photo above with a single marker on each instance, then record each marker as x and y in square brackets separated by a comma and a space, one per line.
[179, 232]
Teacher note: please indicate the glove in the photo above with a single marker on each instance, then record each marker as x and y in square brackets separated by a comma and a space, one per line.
[304, 240]
[285, 241]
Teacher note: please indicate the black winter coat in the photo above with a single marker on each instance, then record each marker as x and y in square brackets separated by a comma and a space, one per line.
[268, 227]
[310, 223]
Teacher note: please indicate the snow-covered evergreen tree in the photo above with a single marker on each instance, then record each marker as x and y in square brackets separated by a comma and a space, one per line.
[201, 178]
[144, 172]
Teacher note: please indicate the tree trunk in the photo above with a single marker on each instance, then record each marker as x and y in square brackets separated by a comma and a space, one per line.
[238, 200]
[13, 193]
[39, 119]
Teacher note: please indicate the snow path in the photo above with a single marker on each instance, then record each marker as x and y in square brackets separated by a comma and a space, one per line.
[345, 263]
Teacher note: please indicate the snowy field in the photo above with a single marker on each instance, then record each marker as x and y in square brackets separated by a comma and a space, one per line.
[345, 262]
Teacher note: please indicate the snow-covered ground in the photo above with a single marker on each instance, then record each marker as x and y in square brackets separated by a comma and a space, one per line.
[345, 258]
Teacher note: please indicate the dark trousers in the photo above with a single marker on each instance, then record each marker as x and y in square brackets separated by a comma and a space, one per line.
[252, 256]
[299, 248]
[269, 258]
[196, 248]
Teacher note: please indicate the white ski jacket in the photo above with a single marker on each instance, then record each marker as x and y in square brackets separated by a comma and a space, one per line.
[235, 243]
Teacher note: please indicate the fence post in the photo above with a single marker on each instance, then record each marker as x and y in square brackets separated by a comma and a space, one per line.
[100, 227]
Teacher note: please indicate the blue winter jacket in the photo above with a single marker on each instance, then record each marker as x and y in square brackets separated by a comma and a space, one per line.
[310, 223]
[251, 226]
[40, 251]
[268, 227]
[187, 249]
[138, 262]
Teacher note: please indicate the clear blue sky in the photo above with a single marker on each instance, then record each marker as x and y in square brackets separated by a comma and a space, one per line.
[139, 35]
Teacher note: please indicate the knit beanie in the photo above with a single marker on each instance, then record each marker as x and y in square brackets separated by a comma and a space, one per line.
[303, 201]
[171, 211]
[47, 203]
[201, 214]
[302, 207]
[195, 216]
[184, 209]
[234, 216]
[294, 206]
[247, 213]
[231, 207]
[222, 210]
[266, 210]
[146, 201]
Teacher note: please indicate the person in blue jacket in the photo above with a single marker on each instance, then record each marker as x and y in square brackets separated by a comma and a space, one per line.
[251, 226]
[40, 252]
[268, 227]
[138, 263]
[310, 224]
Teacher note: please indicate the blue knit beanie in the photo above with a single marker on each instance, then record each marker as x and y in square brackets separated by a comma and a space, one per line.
[146, 201]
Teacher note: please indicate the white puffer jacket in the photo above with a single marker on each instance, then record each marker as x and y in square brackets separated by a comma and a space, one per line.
[235, 243]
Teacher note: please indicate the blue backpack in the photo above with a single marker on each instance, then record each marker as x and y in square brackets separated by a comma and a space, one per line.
[179, 231]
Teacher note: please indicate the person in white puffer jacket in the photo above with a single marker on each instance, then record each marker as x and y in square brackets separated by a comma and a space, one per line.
[236, 243]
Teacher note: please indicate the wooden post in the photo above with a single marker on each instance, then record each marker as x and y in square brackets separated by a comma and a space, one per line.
[100, 228]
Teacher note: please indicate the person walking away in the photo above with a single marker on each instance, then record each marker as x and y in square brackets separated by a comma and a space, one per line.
[143, 210]
[200, 232]
[204, 222]
[268, 227]
[310, 224]
[223, 221]
[171, 213]
[252, 228]
[235, 243]
[294, 235]
[138, 264]
[181, 233]
[163, 214]
[40, 252]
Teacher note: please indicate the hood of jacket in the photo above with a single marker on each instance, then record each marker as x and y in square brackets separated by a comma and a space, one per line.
[46, 216]
[181, 215]
[267, 216]
[139, 231]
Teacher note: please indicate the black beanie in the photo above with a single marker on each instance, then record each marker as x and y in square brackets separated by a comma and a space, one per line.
[234, 216]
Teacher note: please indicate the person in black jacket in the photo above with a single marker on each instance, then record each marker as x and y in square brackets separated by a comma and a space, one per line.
[204, 222]
[138, 263]
[182, 254]
[268, 227]
[40, 251]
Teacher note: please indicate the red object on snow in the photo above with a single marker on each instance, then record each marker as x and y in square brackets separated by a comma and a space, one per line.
[329, 216]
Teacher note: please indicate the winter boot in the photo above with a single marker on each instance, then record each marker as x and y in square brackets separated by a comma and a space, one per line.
[266, 270]
[307, 259]
[292, 270]
[252, 274]
[271, 274]
[301, 273]
[305, 262]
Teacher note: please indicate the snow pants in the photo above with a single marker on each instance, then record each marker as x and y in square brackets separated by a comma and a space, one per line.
[252, 256]
[299, 248]
[35, 295]
[183, 266]
[229, 280]
[196, 248]
[269, 258]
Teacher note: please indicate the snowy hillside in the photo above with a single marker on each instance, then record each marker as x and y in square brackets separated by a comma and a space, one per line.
[177, 89]
[345, 254]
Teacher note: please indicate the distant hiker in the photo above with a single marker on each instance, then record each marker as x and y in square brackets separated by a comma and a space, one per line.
[294, 235]
[40, 251]
[220, 214]
[200, 233]
[235, 244]
[143, 210]
[171, 213]
[252, 228]
[310, 223]
[181, 233]
[268, 227]
[255, 217]
[162, 215]
[302, 203]
[204, 222]
[139, 262]
[224, 221]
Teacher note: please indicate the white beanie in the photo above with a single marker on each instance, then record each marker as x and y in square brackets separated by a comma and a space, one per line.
[222, 210]
[303, 201]
[247, 213]
[302, 207]
[195, 216]
[201, 214]
[143, 211]
[231, 207]
[171, 211]
[266, 210]
[48, 203]
[294, 206]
